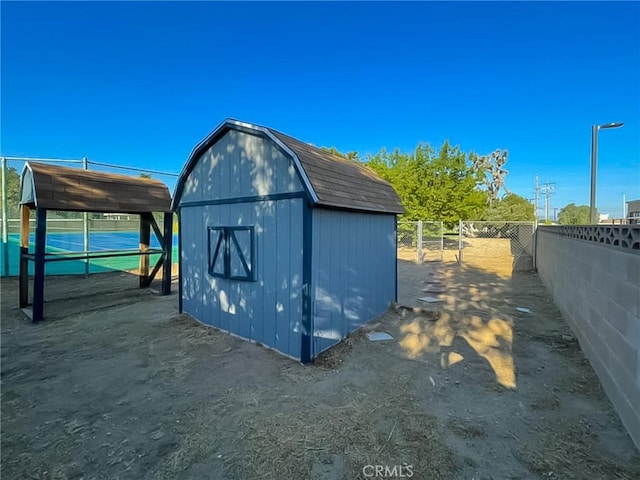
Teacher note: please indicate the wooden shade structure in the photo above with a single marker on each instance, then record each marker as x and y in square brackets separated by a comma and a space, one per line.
[47, 187]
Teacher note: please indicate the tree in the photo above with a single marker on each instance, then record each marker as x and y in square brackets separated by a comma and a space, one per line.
[13, 190]
[492, 171]
[573, 214]
[145, 175]
[440, 186]
[353, 155]
[512, 208]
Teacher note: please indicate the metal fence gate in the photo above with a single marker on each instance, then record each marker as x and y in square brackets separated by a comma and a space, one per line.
[421, 241]
[498, 245]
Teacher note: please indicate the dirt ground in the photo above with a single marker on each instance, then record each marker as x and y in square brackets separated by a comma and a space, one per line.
[114, 384]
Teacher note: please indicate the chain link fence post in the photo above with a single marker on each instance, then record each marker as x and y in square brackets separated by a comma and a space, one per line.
[5, 221]
[460, 242]
[85, 226]
[534, 249]
[419, 256]
[441, 241]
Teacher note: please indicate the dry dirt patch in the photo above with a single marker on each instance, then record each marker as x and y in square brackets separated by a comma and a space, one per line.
[117, 385]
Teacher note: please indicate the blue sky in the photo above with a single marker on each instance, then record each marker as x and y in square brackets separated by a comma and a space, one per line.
[141, 83]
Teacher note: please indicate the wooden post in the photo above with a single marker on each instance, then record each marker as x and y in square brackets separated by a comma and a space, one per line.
[24, 261]
[38, 275]
[85, 226]
[145, 240]
[168, 248]
[179, 262]
[5, 221]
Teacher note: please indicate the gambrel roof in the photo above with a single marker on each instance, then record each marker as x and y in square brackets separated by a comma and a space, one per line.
[330, 180]
[73, 189]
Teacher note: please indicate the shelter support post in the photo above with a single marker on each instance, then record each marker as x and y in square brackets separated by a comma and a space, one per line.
[5, 221]
[24, 251]
[145, 240]
[85, 226]
[38, 274]
[167, 247]
[179, 261]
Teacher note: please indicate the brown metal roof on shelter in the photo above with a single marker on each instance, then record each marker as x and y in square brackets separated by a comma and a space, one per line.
[331, 181]
[72, 189]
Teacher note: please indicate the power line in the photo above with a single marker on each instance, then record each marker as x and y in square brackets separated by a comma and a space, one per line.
[548, 189]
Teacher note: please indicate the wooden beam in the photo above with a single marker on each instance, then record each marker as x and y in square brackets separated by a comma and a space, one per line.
[38, 275]
[167, 246]
[24, 226]
[145, 240]
[24, 251]
[154, 272]
[156, 228]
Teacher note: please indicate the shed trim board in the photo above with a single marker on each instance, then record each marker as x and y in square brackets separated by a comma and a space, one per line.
[306, 353]
[322, 268]
[255, 198]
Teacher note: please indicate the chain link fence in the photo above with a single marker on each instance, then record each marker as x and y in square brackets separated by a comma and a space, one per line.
[74, 231]
[503, 247]
[498, 246]
[421, 241]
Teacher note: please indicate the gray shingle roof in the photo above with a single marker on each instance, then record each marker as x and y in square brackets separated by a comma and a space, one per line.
[331, 181]
[342, 183]
[73, 189]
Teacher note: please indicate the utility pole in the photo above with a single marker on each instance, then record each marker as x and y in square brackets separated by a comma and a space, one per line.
[555, 214]
[548, 189]
[536, 197]
[624, 208]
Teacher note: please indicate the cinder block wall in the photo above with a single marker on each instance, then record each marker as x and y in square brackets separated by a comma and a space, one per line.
[597, 288]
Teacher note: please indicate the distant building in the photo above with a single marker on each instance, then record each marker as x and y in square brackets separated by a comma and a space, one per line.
[633, 211]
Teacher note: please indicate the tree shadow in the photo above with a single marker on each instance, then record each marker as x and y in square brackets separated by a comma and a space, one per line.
[475, 310]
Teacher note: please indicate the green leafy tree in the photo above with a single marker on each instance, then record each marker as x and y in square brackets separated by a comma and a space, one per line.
[512, 208]
[432, 185]
[355, 156]
[13, 190]
[145, 175]
[573, 214]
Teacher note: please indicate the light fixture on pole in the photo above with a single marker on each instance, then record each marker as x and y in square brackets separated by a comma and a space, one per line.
[594, 164]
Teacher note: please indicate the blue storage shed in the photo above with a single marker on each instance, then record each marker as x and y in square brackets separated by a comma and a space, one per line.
[283, 243]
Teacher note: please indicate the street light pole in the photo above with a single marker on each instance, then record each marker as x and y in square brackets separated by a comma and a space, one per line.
[594, 165]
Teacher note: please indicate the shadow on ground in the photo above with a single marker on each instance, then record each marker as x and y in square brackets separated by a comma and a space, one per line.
[120, 386]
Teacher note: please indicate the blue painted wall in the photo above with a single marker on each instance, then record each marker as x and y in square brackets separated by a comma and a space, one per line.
[268, 310]
[353, 256]
[353, 272]
[240, 165]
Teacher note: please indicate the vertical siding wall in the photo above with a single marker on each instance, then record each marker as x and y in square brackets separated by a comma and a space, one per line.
[243, 166]
[353, 272]
[268, 310]
[597, 289]
[240, 165]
